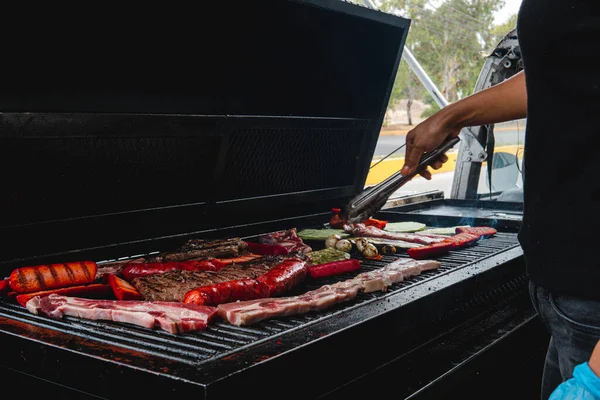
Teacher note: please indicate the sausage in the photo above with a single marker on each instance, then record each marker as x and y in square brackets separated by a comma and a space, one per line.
[136, 270]
[334, 268]
[227, 292]
[432, 250]
[284, 276]
[463, 239]
[478, 230]
[52, 276]
[93, 291]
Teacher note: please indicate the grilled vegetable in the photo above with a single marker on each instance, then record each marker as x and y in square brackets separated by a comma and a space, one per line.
[370, 251]
[404, 227]
[333, 268]
[223, 262]
[321, 234]
[122, 289]
[4, 287]
[375, 222]
[93, 291]
[443, 231]
[481, 231]
[361, 244]
[326, 256]
[331, 241]
[52, 276]
[431, 250]
[267, 249]
[344, 245]
[463, 239]
[135, 270]
[388, 249]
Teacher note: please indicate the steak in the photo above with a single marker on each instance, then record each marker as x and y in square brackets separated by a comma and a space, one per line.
[172, 286]
[200, 248]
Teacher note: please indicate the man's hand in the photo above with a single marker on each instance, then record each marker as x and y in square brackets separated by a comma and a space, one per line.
[427, 136]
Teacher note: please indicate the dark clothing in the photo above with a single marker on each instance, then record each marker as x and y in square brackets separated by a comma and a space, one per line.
[560, 40]
[575, 328]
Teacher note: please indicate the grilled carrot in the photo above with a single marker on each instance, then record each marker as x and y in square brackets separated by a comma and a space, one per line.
[93, 291]
[52, 276]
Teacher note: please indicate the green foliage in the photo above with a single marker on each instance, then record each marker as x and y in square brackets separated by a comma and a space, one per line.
[450, 39]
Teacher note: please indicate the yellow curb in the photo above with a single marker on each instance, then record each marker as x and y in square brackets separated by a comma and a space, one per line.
[403, 132]
[390, 166]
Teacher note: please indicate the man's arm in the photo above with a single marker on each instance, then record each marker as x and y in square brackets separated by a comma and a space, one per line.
[505, 101]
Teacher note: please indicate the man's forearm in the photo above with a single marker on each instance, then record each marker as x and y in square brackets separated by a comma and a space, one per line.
[505, 101]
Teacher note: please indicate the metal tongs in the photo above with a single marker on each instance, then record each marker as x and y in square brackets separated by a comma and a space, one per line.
[369, 201]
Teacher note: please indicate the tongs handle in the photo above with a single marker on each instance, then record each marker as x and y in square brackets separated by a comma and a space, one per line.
[371, 200]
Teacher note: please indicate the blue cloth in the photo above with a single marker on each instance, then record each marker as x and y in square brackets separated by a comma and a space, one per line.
[584, 385]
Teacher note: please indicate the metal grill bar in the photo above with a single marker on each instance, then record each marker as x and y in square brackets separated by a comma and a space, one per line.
[221, 339]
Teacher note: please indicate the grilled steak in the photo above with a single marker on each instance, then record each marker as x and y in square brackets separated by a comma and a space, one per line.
[172, 286]
[199, 248]
[171, 317]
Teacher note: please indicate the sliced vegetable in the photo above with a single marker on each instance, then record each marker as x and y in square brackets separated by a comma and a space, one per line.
[481, 231]
[344, 245]
[326, 256]
[376, 223]
[267, 249]
[122, 289]
[431, 250]
[443, 231]
[388, 249]
[93, 291]
[333, 268]
[361, 244]
[321, 234]
[404, 227]
[223, 262]
[52, 276]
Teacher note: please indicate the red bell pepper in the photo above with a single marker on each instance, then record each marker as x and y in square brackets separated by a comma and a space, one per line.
[432, 250]
[4, 287]
[93, 291]
[463, 239]
[122, 289]
[481, 231]
[136, 270]
[375, 222]
[333, 268]
[267, 249]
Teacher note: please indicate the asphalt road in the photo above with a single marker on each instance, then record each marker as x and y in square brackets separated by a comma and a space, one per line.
[386, 144]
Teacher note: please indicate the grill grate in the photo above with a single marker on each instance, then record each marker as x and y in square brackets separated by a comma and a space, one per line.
[221, 339]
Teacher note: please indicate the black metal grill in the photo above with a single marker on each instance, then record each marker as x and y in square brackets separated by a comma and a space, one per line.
[221, 339]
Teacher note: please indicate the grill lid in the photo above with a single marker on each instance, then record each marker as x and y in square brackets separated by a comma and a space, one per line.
[245, 113]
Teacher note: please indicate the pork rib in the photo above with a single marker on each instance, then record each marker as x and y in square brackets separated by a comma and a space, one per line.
[169, 316]
[252, 311]
[371, 231]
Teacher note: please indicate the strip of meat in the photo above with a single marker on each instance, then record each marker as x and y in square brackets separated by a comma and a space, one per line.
[198, 248]
[172, 286]
[432, 250]
[52, 276]
[136, 270]
[278, 280]
[463, 239]
[371, 231]
[399, 244]
[267, 249]
[93, 291]
[249, 312]
[171, 317]
[288, 239]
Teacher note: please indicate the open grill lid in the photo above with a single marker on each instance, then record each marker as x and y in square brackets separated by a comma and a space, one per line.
[249, 112]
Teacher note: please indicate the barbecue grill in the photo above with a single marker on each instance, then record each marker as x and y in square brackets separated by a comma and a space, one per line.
[111, 172]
